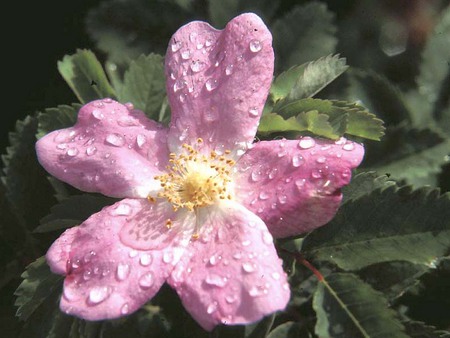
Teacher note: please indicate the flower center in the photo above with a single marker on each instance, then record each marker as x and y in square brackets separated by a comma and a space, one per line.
[195, 180]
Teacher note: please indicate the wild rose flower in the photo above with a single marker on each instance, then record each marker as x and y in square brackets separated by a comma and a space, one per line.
[201, 202]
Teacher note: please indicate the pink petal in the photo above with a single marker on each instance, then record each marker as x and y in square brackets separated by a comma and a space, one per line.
[231, 274]
[294, 186]
[218, 81]
[112, 150]
[106, 278]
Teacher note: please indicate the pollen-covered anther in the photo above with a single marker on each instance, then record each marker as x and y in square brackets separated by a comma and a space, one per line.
[195, 180]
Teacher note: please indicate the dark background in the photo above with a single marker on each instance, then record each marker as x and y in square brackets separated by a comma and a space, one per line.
[35, 35]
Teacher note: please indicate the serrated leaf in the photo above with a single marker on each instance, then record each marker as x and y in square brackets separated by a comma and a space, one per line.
[27, 189]
[387, 225]
[378, 95]
[363, 184]
[37, 285]
[347, 307]
[421, 330]
[435, 67]
[409, 154]
[73, 211]
[144, 84]
[304, 34]
[60, 117]
[85, 76]
[306, 80]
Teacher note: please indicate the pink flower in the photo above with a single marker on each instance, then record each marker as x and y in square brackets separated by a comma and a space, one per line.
[201, 202]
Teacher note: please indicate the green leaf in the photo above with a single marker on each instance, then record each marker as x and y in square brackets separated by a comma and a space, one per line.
[363, 184]
[435, 68]
[385, 225]
[409, 153]
[421, 330]
[144, 84]
[306, 80]
[261, 328]
[304, 34]
[57, 118]
[73, 211]
[378, 95]
[38, 284]
[289, 330]
[347, 307]
[27, 188]
[85, 76]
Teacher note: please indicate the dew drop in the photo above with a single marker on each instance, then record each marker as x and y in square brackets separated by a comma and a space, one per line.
[99, 294]
[70, 294]
[248, 267]
[197, 66]
[125, 309]
[176, 45]
[122, 272]
[208, 42]
[62, 146]
[297, 160]
[115, 140]
[133, 253]
[263, 195]
[216, 280]
[146, 280]
[321, 159]
[72, 152]
[267, 238]
[256, 175]
[97, 114]
[107, 100]
[282, 199]
[253, 112]
[122, 209]
[129, 106]
[140, 140]
[145, 259]
[300, 183]
[306, 143]
[178, 85]
[276, 275]
[211, 308]
[229, 69]
[348, 146]
[167, 257]
[91, 150]
[213, 260]
[273, 173]
[186, 54]
[88, 256]
[316, 174]
[199, 45]
[230, 299]
[211, 84]
[255, 46]
[237, 256]
[255, 291]
[246, 242]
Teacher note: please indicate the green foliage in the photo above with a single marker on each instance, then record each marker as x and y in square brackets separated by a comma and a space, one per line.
[289, 330]
[85, 76]
[306, 80]
[348, 307]
[420, 330]
[331, 119]
[386, 225]
[144, 85]
[363, 184]
[56, 118]
[304, 34]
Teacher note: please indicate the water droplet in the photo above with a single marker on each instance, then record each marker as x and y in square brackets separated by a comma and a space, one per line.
[230, 299]
[129, 106]
[167, 257]
[146, 280]
[62, 146]
[122, 272]
[197, 66]
[273, 173]
[299, 183]
[276, 275]
[72, 152]
[186, 54]
[98, 104]
[306, 142]
[297, 160]
[125, 309]
[87, 274]
[211, 84]
[107, 100]
[247, 242]
[208, 42]
[216, 280]
[263, 195]
[253, 112]
[256, 175]
[133, 253]
[211, 308]
[316, 174]
[237, 256]
[140, 140]
[199, 45]
[267, 238]
[248, 267]
[91, 150]
[229, 69]
[178, 85]
[122, 209]
[97, 114]
[282, 153]
[346, 173]
[70, 294]
[176, 45]
[256, 291]
[115, 140]
[213, 260]
[145, 259]
[282, 199]
[99, 294]
[321, 159]
[348, 146]
[88, 256]
[255, 46]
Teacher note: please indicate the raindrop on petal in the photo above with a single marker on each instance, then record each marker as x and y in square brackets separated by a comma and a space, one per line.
[276, 276]
[255, 46]
[123, 271]
[97, 114]
[246, 242]
[115, 140]
[253, 112]
[230, 299]
[306, 143]
[263, 195]
[99, 294]
[216, 280]
[186, 54]
[211, 308]
[248, 267]
[167, 257]
[197, 66]
[267, 238]
[178, 85]
[321, 159]
[146, 280]
[229, 69]
[122, 209]
[125, 309]
[176, 45]
[140, 140]
[297, 160]
[91, 150]
[145, 259]
[348, 146]
[211, 84]
[72, 152]
[282, 199]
